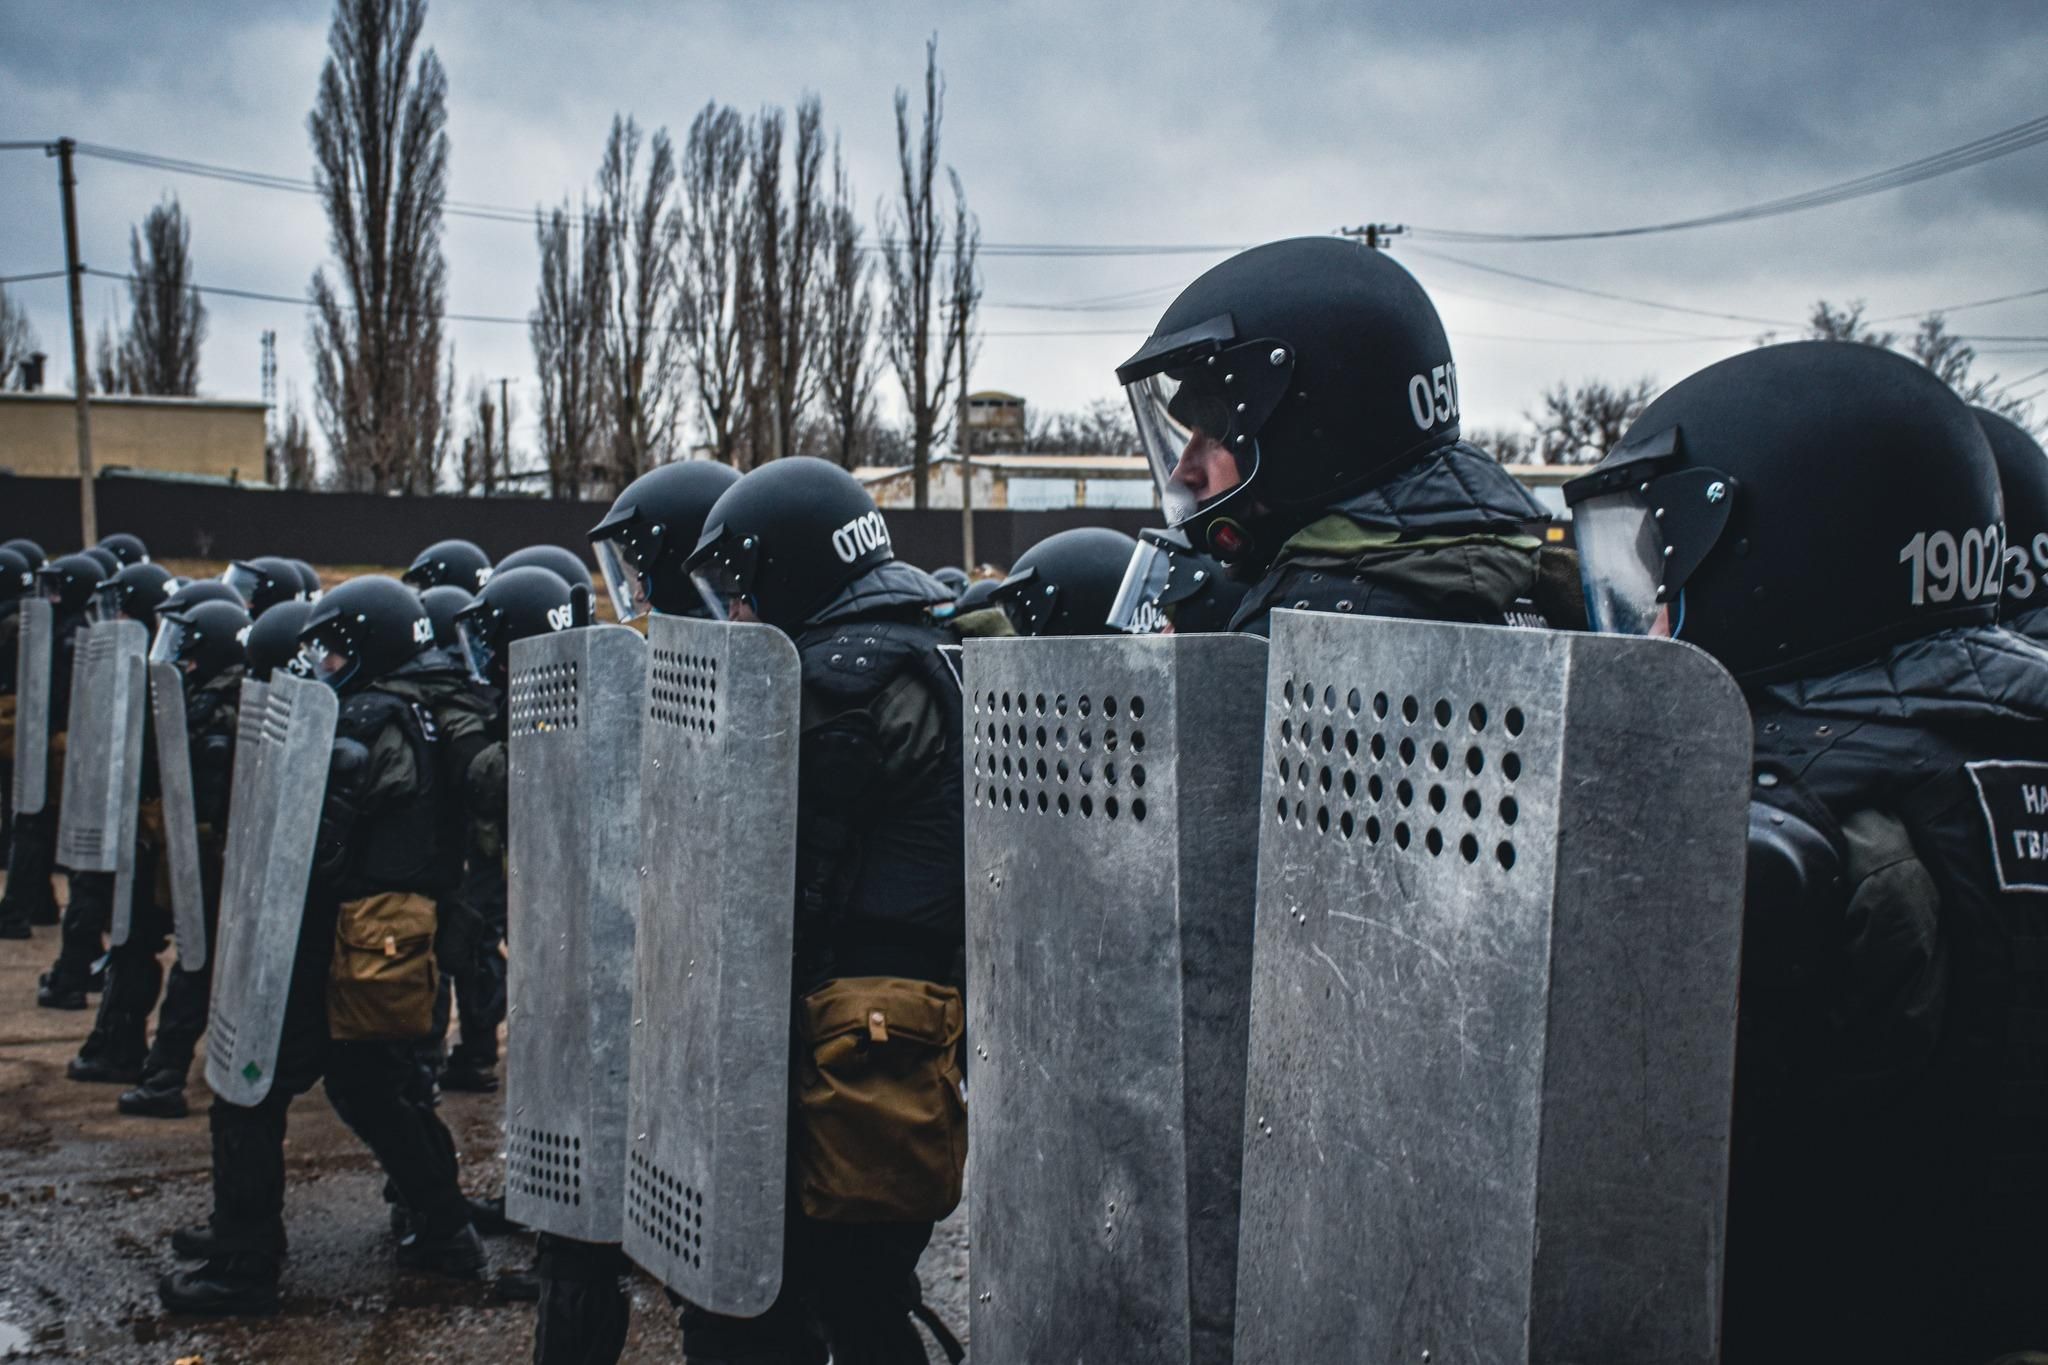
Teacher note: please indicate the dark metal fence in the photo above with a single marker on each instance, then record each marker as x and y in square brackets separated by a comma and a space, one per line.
[214, 521]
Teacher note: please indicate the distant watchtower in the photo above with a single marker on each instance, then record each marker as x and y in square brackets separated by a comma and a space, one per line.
[991, 421]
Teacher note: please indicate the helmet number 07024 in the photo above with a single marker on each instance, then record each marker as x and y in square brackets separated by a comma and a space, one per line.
[1945, 567]
[1433, 397]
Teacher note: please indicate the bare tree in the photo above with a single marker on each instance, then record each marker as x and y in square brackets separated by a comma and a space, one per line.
[1954, 360]
[485, 455]
[112, 367]
[288, 454]
[1580, 425]
[920, 345]
[717, 237]
[567, 327]
[1104, 427]
[783, 295]
[17, 341]
[380, 147]
[846, 320]
[1827, 322]
[167, 322]
[1509, 445]
[641, 337]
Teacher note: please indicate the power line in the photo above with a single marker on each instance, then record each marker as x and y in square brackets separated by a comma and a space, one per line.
[1598, 293]
[1960, 307]
[38, 275]
[2017, 138]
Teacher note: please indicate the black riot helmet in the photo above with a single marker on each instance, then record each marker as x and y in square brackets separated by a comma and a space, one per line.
[201, 590]
[952, 578]
[109, 562]
[17, 578]
[459, 562]
[1281, 380]
[443, 601]
[67, 582]
[1792, 508]
[787, 539]
[980, 593]
[650, 531]
[273, 641]
[362, 631]
[264, 581]
[518, 602]
[203, 640]
[1067, 583]
[309, 579]
[133, 593]
[1171, 588]
[126, 548]
[2023, 480]
[28, 550]
[565, 564]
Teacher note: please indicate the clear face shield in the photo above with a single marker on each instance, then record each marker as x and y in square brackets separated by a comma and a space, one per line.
[1643, 523]
[619, 563]
[328, 659]
[726, 576]
[1621, 563]
[243, 579]
[169, 645]
[479, 647]
[1184, 425]
[1138, 609]
[106, 604]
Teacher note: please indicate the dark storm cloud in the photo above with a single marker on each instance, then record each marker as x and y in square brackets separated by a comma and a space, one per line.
[1196, 121]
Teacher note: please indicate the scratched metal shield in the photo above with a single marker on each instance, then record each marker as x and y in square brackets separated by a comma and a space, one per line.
[283, 741]
[709, 1094]
[32, 707]
[573, 828]
[1111, 845]
[1493, 1002]
[181, 824]
[103, 759]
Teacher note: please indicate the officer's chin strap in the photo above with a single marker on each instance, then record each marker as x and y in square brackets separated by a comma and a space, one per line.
[933, 1323]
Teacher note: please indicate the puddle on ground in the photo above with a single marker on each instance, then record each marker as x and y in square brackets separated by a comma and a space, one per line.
[13, 1338]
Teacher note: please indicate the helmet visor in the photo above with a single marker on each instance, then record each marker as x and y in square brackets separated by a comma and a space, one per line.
[479, 647]
[623, 579]
[1184, 425]
[106, 603]
[326, 659]
[1621, 563]
[1029, 600]
[1137, 609]
[169, 645]
[243, 579]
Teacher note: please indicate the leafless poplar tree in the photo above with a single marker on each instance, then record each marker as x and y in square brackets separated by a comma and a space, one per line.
[381, 152]
[17, 340]
[846, 320]
[485, 456]
[920, 344]
[167, 322]
[782, 318]
[717, 235]
[567, 328]
[288, 454]
[642, 334]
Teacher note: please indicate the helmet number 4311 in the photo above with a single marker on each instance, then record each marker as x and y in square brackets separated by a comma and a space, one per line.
[1945, 568]
[1433, 397]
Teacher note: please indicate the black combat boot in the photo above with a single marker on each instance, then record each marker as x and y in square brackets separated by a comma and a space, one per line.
[225, 1286]
[160, 1096]
[58, 992]
[466, 1073]
[198, 1243]
[458, 1256]
[13, 923]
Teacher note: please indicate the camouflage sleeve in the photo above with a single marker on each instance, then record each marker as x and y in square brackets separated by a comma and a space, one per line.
[1894, 984]
[394, 772]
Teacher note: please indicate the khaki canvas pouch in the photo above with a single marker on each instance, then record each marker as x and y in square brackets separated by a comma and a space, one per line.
[380, 987]
[880, 1126]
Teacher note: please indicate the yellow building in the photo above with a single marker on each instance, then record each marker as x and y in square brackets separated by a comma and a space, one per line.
[213, 437]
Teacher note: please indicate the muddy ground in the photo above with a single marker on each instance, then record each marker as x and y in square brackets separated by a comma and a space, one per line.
[88, 1200]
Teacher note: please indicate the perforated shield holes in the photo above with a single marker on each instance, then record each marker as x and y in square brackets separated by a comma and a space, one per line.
[544, 1165]
[1492, 995]
[1110, 840]
[543, 699]
[682, 690]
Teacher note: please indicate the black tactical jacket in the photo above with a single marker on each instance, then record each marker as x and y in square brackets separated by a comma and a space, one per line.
[1447, 540]
[880, 861]
[210, 716]
[1890, 1170]
[392, 820]
[63, 649]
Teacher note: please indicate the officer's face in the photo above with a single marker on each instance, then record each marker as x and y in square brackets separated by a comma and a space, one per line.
[739, 609]
[1206, 468]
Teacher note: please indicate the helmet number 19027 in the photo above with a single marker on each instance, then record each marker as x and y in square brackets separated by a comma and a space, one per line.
[1433, 397]
[1945, 568]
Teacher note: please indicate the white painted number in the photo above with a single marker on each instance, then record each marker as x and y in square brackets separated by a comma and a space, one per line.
[2022, 567]
[1944, 567]
[864, 533]
[1433, 397]
[562, 617]
[422, 631]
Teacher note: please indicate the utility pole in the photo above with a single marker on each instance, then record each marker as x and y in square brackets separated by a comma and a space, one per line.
[88, 507]
[1376, 235]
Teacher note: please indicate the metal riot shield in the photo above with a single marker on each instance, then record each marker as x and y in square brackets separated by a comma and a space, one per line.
[1493, 1000]
[1111, 841]
[32, 707]
[709, 1096]
[283, 740]
[574, 716]
[181, 823]
[103, 760]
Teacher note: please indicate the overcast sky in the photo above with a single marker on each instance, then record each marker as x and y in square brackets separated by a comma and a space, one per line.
[1074, 121]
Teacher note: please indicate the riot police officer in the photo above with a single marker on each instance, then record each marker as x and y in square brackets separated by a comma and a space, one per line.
[204, 642]
[799, 545]
[113, 1051]
[459, 563]
[67, 583]
[264, 581]
[2023, 479]
[442, 601]
[273, 641]
[1823, 518]
[1067, 583]
[1169, 588]
[389, 843]
[17, 580]
[125, 548]
[650, 531]
[566, 563]
[1299, 406]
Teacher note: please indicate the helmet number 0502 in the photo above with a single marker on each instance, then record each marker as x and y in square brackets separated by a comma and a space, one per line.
[1433, 397]
[1945, 567]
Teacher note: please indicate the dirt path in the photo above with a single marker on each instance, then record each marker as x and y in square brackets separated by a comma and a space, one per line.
[88, 1200]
